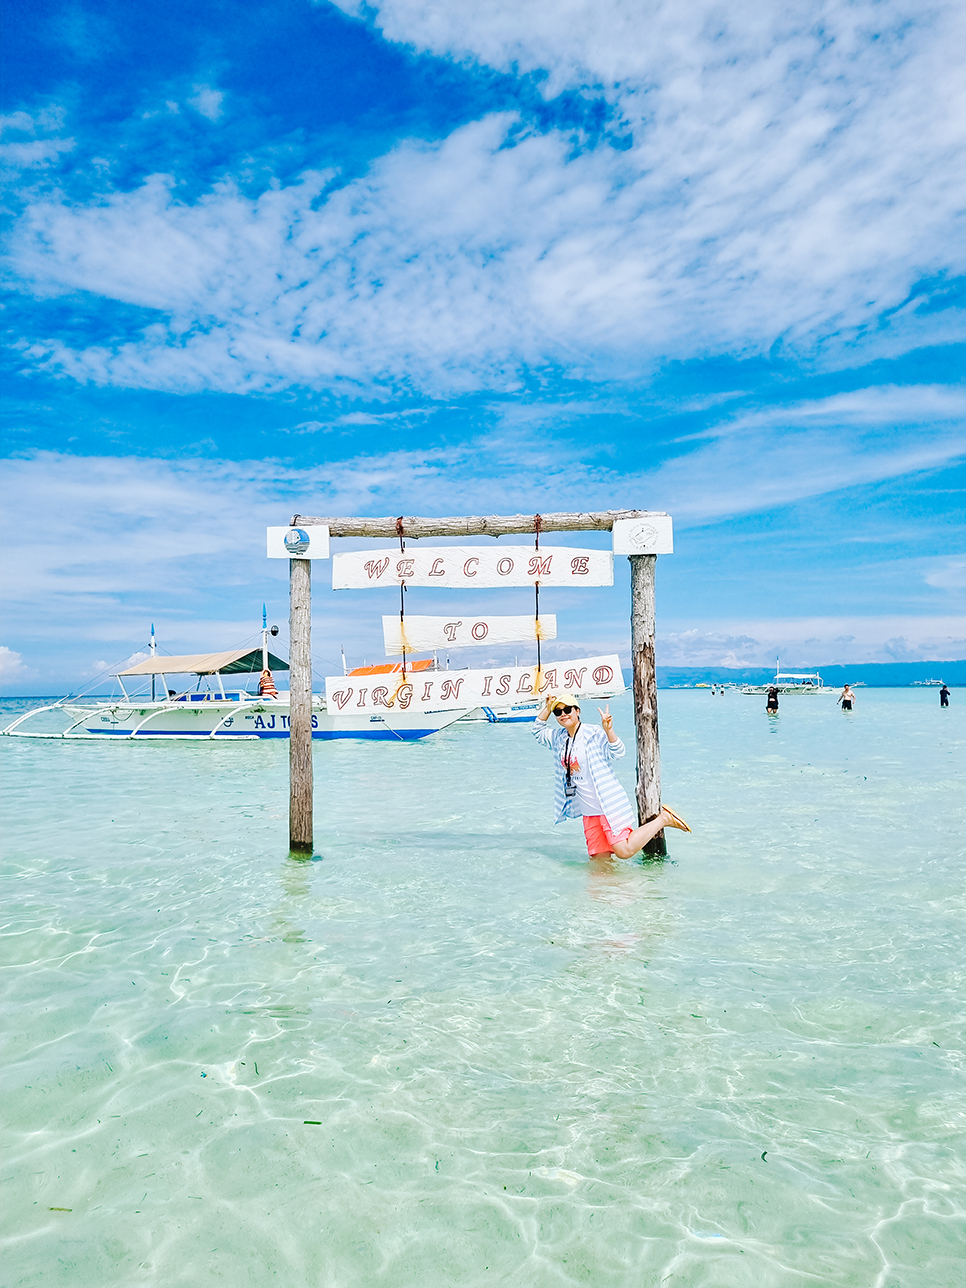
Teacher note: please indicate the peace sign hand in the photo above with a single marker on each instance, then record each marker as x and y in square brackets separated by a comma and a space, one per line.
[606, 720]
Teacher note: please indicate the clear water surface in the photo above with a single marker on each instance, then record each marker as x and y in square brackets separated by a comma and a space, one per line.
[451, 1050]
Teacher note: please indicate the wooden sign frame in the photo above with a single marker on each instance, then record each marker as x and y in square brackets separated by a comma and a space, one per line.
[411, 528]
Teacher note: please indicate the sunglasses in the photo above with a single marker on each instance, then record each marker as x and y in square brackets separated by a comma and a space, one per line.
[564, 711]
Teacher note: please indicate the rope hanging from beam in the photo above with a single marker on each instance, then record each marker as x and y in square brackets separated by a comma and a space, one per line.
[402, 599]
[536, 592]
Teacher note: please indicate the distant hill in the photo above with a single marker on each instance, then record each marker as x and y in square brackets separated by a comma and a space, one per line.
[877, 675]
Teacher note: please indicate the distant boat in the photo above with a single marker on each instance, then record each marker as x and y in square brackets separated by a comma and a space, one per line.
[787, 682]
[929, 684]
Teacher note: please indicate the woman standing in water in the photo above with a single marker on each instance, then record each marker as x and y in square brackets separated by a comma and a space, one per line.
[586, 787]
[771, 706]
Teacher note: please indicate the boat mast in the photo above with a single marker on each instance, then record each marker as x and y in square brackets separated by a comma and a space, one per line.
[154, 653]
[264, 638]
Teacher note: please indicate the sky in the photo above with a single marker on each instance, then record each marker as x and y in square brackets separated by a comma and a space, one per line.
[507, 256]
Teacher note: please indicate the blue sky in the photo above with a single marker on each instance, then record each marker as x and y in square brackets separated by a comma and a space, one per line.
[493, 257]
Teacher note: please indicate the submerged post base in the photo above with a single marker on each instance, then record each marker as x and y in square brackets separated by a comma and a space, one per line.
[656, 848]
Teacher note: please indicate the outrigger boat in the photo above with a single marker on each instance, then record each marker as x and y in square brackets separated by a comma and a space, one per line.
[382, 703]
[212, 711]
[787, 682]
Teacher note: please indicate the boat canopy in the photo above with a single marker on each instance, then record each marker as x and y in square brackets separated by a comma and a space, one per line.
[233, 662]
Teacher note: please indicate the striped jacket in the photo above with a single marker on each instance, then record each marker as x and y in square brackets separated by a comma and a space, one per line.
[599, 752]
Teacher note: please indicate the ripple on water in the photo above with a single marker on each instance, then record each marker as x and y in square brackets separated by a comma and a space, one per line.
[452, 1050]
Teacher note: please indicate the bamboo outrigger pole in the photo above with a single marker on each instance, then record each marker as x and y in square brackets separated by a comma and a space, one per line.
[642, 644]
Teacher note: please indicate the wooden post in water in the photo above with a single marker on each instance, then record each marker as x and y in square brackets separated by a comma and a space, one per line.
[645, 695]
[300, 706]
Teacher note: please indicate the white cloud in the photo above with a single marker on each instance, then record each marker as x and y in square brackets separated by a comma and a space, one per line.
[181, 543]
[37, 153]
[948, 574]
[12, 667]
[207, 101]
[814, 641]
[359, 418]
[824, 445]
[162, 517]
[794, 171]
[707, 648]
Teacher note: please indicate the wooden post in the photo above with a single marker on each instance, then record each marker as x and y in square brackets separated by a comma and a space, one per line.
[645, 695]
[300, 706]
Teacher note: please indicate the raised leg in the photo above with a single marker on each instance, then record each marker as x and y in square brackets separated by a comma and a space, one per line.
[637, 840]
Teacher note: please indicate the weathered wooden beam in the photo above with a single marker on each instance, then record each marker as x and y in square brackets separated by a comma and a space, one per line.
[491, 525]
[645, 695]
[300, 707]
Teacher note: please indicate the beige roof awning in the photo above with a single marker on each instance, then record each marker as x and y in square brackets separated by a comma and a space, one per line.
[233, 662]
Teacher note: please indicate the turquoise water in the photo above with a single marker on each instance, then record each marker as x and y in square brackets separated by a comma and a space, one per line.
[451, 1050]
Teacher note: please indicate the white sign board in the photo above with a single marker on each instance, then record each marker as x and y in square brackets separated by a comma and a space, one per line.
[649, 535]
[591, 677]
[299, 543]
[470, 567]
[422, 633]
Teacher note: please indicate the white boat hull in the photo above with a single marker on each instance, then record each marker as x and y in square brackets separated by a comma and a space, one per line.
[526, 713]
[762, 690]
[224, 720]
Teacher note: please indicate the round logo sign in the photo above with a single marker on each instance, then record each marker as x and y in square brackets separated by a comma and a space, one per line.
[642, 536]
[296, 541]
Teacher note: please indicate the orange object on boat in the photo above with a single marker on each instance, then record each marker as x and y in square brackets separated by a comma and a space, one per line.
[391, 668]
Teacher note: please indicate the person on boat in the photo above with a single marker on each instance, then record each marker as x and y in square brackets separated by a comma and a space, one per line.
[586, 787]
[944, 696]
[266, 686]
[847, 697]
[772, 703]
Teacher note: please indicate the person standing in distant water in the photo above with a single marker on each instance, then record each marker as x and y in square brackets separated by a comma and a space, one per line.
[266, 686]
[944, 696]
[771, 706]
[846, 698]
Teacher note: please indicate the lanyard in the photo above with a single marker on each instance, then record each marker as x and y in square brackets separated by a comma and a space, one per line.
[567, 757]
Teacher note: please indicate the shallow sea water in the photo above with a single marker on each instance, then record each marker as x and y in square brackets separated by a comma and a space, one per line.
[449, 1049]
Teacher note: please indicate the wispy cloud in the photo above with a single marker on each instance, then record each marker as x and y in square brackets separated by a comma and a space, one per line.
[825, 641]
[792, 174]
[207, 101]
[116, 512]
[181, 543]
[13, 671]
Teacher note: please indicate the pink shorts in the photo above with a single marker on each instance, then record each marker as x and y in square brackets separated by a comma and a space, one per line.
[600, 839]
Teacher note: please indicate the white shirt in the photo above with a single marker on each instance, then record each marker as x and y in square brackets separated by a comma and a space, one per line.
[586, 801]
